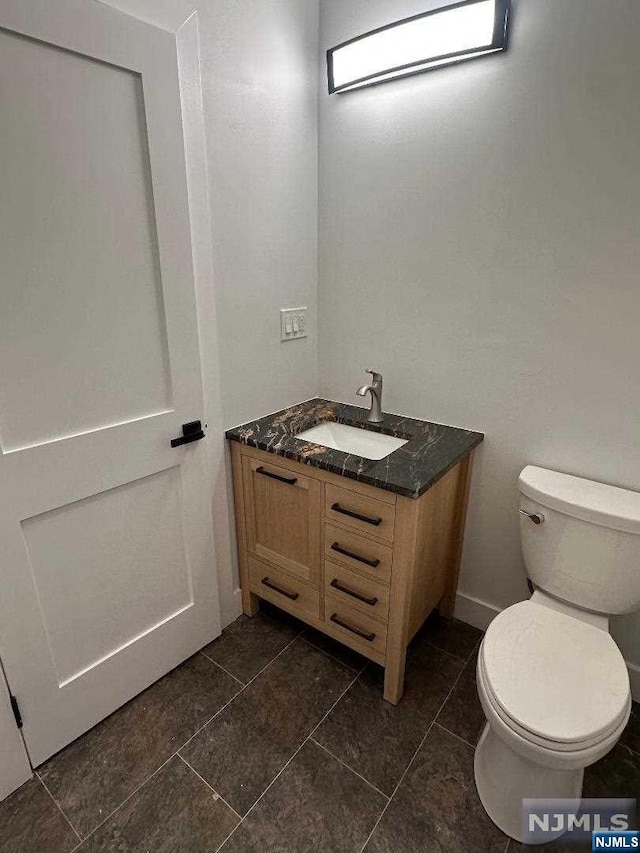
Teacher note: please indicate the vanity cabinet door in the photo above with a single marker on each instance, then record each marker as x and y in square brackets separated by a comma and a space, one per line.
[283, 517]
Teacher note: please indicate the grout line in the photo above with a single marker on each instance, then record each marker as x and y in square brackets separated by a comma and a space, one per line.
[175, 753]
[344, 764]
[126, 800]
[58, 806]
[450, 654]
[329, 655]
[453, 734]
[202, 779]
[226, 671]
[239, 693]
[400, 781]
[476, 647]
[282, 769]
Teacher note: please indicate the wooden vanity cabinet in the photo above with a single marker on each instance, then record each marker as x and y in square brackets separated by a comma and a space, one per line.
[361, 564]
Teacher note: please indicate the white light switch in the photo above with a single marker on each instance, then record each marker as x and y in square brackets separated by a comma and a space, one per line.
[293, 323]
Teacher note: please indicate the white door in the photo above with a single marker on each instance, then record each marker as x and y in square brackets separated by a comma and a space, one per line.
[14, 764]
[107, 564]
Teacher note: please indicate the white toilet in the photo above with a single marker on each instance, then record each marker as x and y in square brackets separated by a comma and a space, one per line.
[553, 684]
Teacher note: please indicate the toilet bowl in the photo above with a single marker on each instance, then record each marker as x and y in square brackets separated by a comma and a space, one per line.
[536, 744]
[553, 684]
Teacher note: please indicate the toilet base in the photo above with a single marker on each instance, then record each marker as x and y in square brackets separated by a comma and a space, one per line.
[504, 779]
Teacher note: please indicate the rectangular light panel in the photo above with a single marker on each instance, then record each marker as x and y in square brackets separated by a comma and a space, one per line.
[430, 40]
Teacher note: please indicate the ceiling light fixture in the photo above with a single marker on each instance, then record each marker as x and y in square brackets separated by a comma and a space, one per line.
[443, 36]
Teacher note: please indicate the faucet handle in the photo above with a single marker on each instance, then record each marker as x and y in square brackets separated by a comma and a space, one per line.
[377, 377]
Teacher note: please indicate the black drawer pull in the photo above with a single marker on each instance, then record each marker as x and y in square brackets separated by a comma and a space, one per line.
[337, 547]
[337, 508]
[290, 481]
[335, 583]
[292, 595]
[368, 637]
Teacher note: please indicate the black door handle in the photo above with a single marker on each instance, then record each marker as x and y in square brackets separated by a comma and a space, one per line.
[290, 481]
[190, 432]
[337, 508]
[268, 582]
[338, 547]
[335, 583]
[365, 636]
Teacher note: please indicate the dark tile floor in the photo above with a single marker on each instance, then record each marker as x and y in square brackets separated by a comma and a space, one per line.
[275, 739]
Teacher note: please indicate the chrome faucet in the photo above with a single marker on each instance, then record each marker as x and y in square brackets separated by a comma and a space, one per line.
[375, 415]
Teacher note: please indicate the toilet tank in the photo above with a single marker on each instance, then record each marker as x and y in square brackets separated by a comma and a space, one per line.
[586, 551]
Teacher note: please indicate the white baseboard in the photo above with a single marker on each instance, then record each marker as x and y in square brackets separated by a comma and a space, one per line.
[474, 612]
[480, 614]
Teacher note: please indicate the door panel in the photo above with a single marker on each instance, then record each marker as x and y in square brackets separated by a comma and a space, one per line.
[75, 553]
[108, 569]
[283, 518]
[90, 226]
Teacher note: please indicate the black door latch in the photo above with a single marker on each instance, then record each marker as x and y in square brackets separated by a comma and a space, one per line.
[190, 432]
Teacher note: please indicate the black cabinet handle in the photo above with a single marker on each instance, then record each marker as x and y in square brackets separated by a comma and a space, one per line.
[290, 481]
[335, 583]
[292, 595]
[337, 508]
[190, 432]
[368, 637]
[337, 547]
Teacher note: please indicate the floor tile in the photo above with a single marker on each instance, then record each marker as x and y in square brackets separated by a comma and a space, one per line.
[337, 650]
[452, 636]
[378, 739]
[462, 713]
[615, 775]
[174, 812]
[317, 804]
[241, 751]
[30, 822]
[631, 735]
[436, 806]
[248, 645]
[95, 773]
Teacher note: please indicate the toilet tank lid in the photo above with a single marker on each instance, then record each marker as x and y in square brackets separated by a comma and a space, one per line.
[596, 503]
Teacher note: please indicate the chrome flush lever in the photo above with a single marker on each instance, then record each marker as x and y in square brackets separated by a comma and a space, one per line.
[536, 517]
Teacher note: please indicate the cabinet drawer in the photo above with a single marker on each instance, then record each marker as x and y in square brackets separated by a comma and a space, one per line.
[359, 631]
[356, 590]
[289, 593]
[362, 513]
[358, 553]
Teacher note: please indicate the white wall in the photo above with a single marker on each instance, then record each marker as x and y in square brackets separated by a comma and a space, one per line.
[260, 97]
[480, 245]
[252, 167]
[260, 91]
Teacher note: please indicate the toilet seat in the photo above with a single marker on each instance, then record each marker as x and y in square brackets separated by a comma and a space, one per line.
[570, 750]
[559, 682]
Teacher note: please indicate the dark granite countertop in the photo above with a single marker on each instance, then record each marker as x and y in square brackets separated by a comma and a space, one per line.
[431, 449]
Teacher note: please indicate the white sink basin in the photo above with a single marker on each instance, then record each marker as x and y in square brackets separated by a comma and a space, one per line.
[358, 442]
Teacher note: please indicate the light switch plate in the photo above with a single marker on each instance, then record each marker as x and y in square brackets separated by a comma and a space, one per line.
[293, 323]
